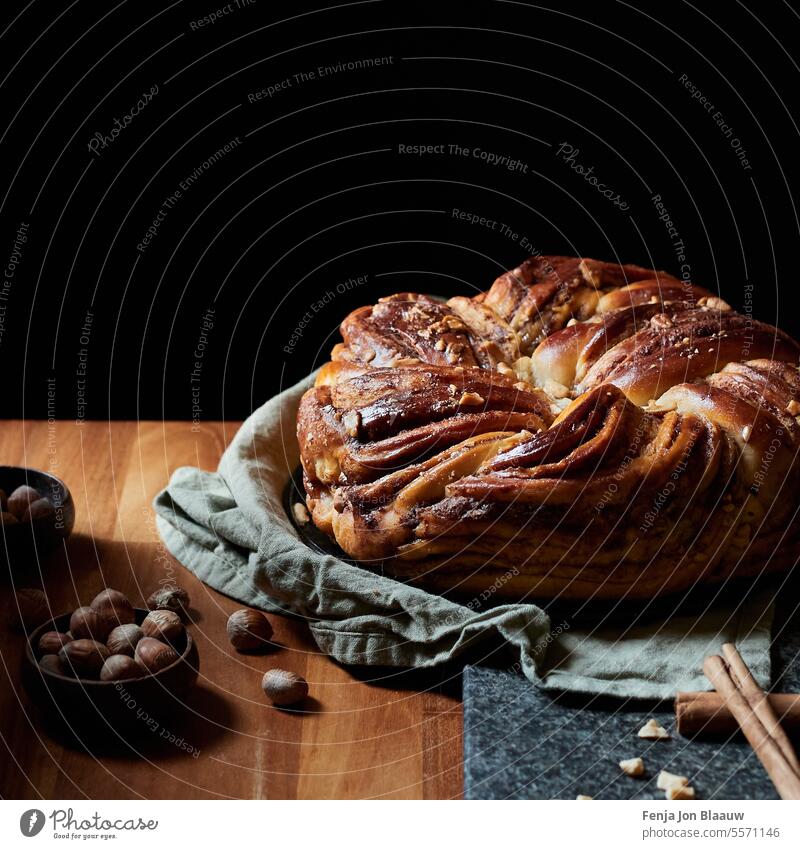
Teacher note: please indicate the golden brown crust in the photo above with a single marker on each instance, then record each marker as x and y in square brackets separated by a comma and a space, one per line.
[583, 429]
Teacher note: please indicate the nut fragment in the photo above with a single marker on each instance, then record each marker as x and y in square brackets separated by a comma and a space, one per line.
[154, 655]
[793, 408]
[113, 608]
[300, 513]
[123, 639]
[652, 730]
[248, 630]
[87, 624]
[666, 780]
[555, 389]
[171, 598]
[51, 642]
[28, 610]
[470, 399]
[120, 667]
[632, 766]
[164, 625]
[84, 657]
[283, 687]
[680, 793]
[582, 798]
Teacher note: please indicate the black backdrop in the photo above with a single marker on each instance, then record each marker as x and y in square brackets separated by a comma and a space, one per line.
[190, 207]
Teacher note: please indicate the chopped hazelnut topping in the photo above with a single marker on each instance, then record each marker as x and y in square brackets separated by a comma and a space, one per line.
[661, 320]
[470, 399]
[668, 779]
[454, 351]
[555, 389]
[714, 304]
[352, 421]
[300, 513]
[680, 793]
[440, 345]
[652, 730]
[793, 408]
[632, 766]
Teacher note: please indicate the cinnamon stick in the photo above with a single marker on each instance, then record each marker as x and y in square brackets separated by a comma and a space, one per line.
[706, 713]
[783, 776]
[757, 698]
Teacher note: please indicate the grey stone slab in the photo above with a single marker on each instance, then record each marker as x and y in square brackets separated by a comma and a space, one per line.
[521, 743]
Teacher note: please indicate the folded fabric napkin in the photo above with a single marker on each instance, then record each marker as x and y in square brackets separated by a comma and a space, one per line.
[230, 528]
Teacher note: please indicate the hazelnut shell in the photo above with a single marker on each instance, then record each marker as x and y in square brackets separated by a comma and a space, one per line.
[114, 608]
[21, 498]
[51, 642]
[120, 667]
[153, 655]
[249, 630]
[284, 688]
[164, 625]
[84, 657]
[38, 510]
[123, 639]
[171, 598]
[87, 624]
[53, 663]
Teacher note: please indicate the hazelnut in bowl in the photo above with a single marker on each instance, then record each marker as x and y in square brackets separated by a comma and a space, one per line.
[108, 680]
[36, 513]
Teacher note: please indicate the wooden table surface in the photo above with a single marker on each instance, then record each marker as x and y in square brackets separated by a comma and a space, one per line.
[368, 733]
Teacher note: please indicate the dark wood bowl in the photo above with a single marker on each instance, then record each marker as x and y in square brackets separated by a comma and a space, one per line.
[25, 543]
[107, 705]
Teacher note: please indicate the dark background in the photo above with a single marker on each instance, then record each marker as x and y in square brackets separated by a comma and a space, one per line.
[316, 192]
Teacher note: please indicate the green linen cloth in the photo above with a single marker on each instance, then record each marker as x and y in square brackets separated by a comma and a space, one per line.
[231, 530]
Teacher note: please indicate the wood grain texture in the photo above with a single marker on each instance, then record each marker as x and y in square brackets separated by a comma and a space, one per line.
[368, 733]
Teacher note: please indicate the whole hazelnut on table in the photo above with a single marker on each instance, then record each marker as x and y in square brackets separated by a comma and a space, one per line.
[123, 639]
[283, 687]
[171, 598]
[21, 498]
[113, 608]
[249, 630]
[153, 655]
[51, 642]
[163, 625]
[38, 510]
[53, 663]
[84, 657]
[86, 624]
[28, 610]
[120, 667]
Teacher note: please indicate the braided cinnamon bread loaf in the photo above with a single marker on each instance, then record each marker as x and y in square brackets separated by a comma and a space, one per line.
[583, 429]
